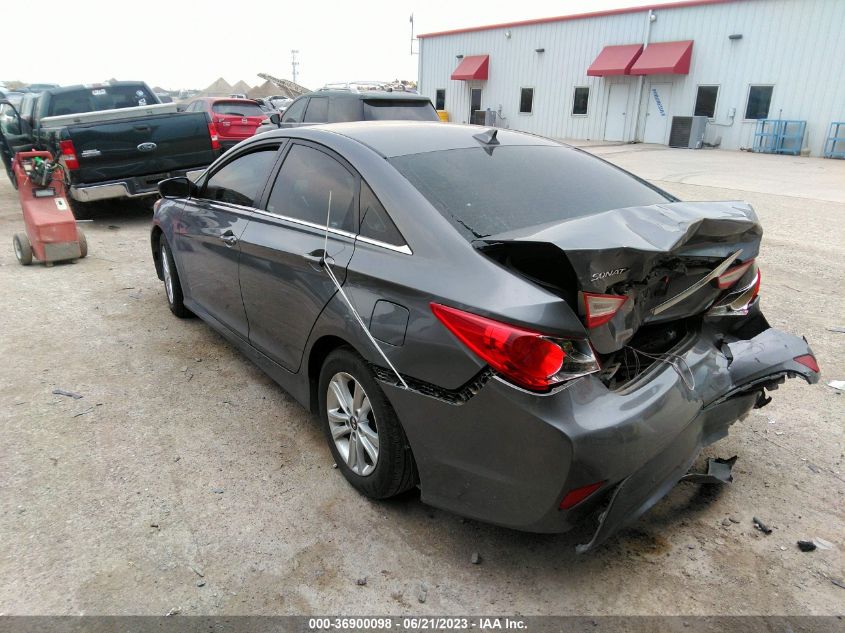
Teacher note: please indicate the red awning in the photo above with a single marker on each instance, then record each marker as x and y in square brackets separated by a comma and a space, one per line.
[672, 58]
[615, 60]
[472, 67]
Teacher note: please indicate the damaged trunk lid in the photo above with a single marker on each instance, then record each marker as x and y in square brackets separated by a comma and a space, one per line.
[638, 266]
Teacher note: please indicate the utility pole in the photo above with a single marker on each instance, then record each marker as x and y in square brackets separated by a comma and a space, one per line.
[293, 63]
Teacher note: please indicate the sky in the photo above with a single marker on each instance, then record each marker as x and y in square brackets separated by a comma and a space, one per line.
[189, 44]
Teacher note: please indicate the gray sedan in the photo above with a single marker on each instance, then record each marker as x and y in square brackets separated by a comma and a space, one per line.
[530, 335]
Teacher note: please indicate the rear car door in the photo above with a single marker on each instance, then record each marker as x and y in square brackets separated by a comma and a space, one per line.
[207, 248]
[293, 115]
[284, 288]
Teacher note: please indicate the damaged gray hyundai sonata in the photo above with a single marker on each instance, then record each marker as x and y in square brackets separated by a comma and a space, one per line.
[527, 333]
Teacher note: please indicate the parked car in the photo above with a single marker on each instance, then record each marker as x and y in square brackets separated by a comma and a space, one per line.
[114, 140]
[235, 119]
[338, 106]
[551, 336]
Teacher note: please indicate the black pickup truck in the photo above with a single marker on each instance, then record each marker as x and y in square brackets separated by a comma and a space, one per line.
[115, 140]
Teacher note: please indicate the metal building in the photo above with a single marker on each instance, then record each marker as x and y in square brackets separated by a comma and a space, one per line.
[625, 75]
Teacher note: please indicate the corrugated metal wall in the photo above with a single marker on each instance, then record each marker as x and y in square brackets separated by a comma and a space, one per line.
[796, 45]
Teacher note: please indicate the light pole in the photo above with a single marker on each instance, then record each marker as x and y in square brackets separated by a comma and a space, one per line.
[293, 63]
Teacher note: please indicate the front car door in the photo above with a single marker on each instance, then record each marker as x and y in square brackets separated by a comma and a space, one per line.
[206, 243]
[292, 117]
[15, 134]
[283, 285]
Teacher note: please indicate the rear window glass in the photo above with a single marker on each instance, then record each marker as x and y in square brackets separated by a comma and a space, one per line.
[237, 108]
[485, 192]
[399, 110]
[97, 98]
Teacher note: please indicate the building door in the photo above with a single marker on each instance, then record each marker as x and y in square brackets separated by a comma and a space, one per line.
[657, 113]
[474, 103]
[617, 107]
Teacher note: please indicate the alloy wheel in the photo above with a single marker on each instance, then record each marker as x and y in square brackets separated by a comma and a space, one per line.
[168, 276]
[352, 423]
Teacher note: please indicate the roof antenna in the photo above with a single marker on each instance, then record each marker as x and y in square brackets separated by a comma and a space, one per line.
[488, 137]
[324, 262]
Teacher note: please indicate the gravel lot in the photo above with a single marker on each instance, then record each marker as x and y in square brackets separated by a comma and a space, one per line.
[185, 479]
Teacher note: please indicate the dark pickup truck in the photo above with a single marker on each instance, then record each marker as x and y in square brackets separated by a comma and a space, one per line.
[115, 140]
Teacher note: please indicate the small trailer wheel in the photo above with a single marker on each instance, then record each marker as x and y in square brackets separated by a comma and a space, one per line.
[23, 249]
[83, 242]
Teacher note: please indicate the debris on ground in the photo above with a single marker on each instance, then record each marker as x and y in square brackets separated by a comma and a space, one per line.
[813, 467]
[334, 465]
[361, 582]
[836, 328]
[726, 522]
[217, 491]
[733, 520]
[69, 394]
[839, 385]
[838, 583]
[806, 546]
[422, 595]
[86, 412]
[475, 559]
[822, 544]
[765, 529]
[155, 525]
[197, 571]
[718, 472]
[173, 611]
[200, 583]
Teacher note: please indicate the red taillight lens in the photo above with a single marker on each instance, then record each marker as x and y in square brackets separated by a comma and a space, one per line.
[69, 154]
[809, 361]
[574, 497]
[527, 358]
[732, 275]
[599, 309]
[212, 133]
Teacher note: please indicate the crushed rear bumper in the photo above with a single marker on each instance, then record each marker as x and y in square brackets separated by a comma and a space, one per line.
[508, 457]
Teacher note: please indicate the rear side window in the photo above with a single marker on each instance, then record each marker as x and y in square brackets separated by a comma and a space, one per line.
[399, 110]
[312, 186]
[239, 181]
[485, 192]
[294, 113]
[318, 110]
[343, 110]
[237, 108]
[95, 99]
[375, 223]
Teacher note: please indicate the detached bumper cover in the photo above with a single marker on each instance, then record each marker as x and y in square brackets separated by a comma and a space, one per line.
[508, 457]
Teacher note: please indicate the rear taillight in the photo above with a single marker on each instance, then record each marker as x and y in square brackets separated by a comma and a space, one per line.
[599, 309]
[574, 497]
[809, 361]
[69, 154]
[212, 133]
[733, 275]
[527, 358]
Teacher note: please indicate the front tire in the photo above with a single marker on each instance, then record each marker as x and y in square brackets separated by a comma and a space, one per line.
[83, 243]
[23, 249]
[172, 285]
[363, 432]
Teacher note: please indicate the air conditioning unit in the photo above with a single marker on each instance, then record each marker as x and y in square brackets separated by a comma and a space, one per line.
[688, 131]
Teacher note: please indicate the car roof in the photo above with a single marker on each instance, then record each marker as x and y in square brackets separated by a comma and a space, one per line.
[367, 94]
[400, 138]
[226, 99]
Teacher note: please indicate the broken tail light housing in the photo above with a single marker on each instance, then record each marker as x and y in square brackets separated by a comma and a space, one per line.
[599, 309]
[215, 138]
[809, 361]
[733, 275]
[576, 496]
[69, 154]
[529, 359]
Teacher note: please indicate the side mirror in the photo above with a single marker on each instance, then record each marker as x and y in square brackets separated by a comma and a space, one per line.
[275, 119]
[179, 187]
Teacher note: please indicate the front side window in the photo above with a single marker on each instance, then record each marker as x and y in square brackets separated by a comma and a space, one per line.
[239, 181]
[759, 100]
[440, 100]
[375, 223]
[312, 186]
[318, 110]
[705, 101]
[294, 113]
[581, 100]
[526, 100]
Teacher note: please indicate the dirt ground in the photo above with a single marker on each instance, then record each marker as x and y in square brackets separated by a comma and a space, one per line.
[185, 479]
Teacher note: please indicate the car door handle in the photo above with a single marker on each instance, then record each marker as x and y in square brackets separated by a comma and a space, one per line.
[315, 258]
[229, 238]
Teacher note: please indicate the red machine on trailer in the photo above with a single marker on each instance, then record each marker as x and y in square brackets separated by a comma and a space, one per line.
[51, 231]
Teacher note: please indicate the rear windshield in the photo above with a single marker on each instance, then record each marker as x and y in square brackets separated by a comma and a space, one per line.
[399, 110]
[237, 108]
[98, 98]
[485, 192]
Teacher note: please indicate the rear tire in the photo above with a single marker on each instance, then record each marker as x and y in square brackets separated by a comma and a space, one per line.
[23, 249]
[360, 425]
[172, 285]
[83, 243]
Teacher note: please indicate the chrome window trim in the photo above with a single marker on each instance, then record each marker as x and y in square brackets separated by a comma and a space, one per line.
[404, 249]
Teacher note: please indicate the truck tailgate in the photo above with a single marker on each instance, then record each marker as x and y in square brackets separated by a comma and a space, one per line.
[142, 146]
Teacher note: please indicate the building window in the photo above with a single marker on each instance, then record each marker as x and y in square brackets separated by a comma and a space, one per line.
[579, 103]
[705, 101]
[440, 100]
[759, 100]
[526, 100]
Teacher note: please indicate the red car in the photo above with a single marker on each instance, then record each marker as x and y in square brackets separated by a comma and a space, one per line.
[235, 119]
